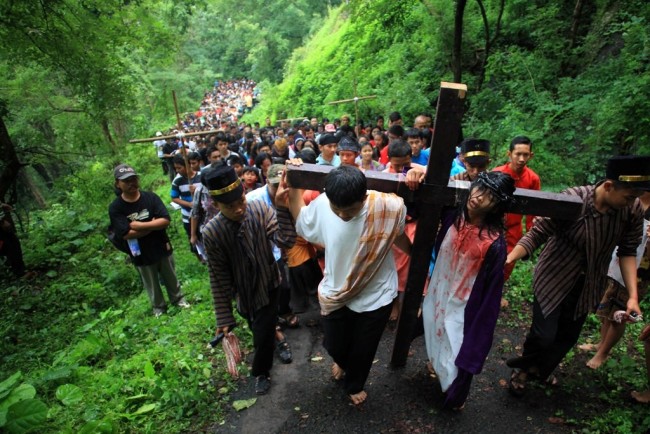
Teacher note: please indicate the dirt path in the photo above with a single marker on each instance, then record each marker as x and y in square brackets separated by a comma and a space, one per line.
[303, 398]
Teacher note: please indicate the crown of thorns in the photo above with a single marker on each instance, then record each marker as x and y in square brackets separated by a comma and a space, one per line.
[495, 185]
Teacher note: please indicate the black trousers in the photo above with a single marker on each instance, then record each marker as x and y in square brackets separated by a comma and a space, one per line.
[551, 338]
[10, 247]
[262, 323]
[351, 339]
[284, 296]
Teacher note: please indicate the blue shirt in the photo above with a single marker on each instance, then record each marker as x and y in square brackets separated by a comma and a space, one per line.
[336, 161]
[423, 158]
[456, 167]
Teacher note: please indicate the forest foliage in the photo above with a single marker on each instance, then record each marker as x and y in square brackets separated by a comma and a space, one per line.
[80, 349]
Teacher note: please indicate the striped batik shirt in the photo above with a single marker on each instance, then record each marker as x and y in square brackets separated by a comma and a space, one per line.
[581, 247]
[240, 258]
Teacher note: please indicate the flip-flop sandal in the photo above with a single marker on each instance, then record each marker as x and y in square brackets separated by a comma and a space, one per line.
[518, 382]
[284, 351]
[289, 320]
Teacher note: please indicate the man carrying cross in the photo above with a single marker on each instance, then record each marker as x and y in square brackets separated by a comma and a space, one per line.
[572, 269]
[435, 193]
[357, 227]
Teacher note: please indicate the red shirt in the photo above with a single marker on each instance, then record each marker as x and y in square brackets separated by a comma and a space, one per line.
[530, 180]
[383, 155]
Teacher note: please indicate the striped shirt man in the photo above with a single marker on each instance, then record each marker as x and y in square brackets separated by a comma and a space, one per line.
[581, 249]
[240, 258]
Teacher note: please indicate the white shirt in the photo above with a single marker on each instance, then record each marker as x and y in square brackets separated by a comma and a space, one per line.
[615, 265]
[263, 195]
[318, 224]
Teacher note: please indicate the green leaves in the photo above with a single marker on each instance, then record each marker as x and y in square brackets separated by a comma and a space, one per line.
[19, 411]
[243, 404]
[25, 416]
[103, 426]
[69, 394]
[149, 371]
[143, 409]
[7, 385]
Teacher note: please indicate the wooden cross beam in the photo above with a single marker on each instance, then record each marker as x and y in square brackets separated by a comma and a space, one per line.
[173, 136]
[181, 136]
[531, 202]
[290, 119]
[355, 100]
[435, 193]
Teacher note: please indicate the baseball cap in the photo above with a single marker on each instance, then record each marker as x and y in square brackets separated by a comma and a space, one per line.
[274, 175]
[124, 171]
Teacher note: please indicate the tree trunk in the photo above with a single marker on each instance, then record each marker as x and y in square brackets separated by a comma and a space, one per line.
[107, 135]
[10, 159]
[456, 54]
[577, 12]
[33, 189]
[486, 48]
[488, 41]
[42, 171]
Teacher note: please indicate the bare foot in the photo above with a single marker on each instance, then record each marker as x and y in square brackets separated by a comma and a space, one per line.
[430, 370]
[596, 361]
[394, 313]
[641, 397]
[337, 372]
[518, 380]
[504, 303]
[588, 347]
[358, 398]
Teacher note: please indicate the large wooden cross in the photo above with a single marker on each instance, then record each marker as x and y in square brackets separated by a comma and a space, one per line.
[180, 135]
[435, 193]
[355, 100]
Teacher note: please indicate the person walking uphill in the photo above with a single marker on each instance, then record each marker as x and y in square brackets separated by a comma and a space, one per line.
[238, 243]
[571, 272]
[357, 228]
[140, 218]
[462, 303]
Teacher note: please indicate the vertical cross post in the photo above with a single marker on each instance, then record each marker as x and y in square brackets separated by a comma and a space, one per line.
[355, 100]
[449, 115]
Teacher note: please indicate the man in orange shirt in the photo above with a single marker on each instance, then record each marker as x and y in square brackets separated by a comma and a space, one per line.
[521, 151]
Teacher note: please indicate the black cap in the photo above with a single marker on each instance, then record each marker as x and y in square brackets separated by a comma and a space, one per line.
[633, 170]
[327, 139]
[475, 151]
[223, 184]
[347, 143]
[124, 171]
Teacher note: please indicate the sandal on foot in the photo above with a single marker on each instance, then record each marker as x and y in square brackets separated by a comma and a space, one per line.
[289, 320]
[284, 351]
[262, 384]
[518, 382]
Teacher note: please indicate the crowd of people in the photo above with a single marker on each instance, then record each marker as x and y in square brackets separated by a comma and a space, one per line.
[278, 251]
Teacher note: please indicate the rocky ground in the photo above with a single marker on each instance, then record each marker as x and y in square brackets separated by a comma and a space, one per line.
[304, 398]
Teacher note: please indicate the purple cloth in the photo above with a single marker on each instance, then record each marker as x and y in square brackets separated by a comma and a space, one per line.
[481, 313]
